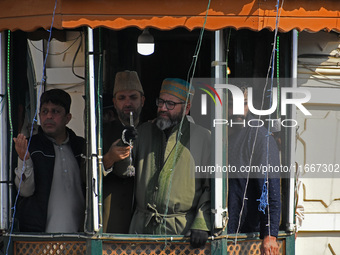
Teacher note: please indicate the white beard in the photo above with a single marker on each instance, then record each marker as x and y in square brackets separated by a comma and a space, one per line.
[164, 123]
[171, 121]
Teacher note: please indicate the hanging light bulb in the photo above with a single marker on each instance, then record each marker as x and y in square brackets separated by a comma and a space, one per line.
[145, 43]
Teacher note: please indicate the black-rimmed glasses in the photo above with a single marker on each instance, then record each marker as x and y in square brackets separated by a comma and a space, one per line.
[170, 105]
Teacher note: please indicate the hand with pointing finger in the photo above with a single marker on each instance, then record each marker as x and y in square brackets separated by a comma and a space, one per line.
[21, 146]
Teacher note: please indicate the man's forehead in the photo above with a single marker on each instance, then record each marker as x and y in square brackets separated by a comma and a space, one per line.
[127, 93]
[50, 105]
[167, 96]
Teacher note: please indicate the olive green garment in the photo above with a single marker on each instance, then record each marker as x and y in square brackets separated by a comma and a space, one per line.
[169, 199]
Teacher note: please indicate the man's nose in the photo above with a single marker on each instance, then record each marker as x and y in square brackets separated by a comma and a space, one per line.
[163, 108]
[50, 114]
[127, 101]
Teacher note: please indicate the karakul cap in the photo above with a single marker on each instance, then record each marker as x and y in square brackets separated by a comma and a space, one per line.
[127, 80]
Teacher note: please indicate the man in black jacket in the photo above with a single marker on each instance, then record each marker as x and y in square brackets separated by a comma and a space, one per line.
[48, 175]
[248, 146]
[128, 96]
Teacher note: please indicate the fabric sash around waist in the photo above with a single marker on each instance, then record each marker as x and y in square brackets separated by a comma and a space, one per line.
[153, 213]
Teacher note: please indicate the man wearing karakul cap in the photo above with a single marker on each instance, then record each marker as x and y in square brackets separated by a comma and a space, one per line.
[128, 96]
[169, 199]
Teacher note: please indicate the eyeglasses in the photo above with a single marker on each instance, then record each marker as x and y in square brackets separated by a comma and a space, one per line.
[170, 105]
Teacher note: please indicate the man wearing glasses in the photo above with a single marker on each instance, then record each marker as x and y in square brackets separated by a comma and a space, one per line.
[169, 199]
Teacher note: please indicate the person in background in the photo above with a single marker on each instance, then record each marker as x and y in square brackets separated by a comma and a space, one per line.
[169, 199]
[247, 146]
[109, 112]
[48, 175]
[128, 96]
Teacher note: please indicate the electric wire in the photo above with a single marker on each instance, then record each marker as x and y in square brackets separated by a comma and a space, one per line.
[227, 57]
[10, 117]
[278, 76]
[225, 133]
[31, 133]
[64, 51]
[265, 194]
[264, 200]
[60, 53]
[75, 56]
[179, 133]
[100, 127]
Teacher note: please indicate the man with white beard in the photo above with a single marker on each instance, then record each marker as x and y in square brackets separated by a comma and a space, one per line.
[169, 199]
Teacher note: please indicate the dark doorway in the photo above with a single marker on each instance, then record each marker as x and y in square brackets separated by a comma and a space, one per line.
[172, 58]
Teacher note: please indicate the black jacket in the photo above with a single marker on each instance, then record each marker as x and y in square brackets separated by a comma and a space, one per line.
[32, 211]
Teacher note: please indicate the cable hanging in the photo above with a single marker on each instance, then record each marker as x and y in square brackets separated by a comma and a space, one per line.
[264, 198]
[60, 53]
[32, 127]
[193, 68]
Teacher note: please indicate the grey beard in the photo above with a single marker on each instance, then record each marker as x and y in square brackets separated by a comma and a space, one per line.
[165, 123]
[172, 121]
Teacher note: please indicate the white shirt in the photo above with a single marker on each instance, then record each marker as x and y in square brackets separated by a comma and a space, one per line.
[66, 205]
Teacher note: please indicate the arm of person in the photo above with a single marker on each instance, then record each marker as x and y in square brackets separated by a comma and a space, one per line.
[117, 158]
[269, 246]
[24, 174]
[24, 178]
[270, 156]
[115, 154]
[201, 225]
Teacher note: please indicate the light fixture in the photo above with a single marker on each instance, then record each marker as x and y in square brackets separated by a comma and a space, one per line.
[145, 43]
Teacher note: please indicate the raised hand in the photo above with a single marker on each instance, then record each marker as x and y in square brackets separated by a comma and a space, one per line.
[129, 134]
[21, 146]
[119, 152]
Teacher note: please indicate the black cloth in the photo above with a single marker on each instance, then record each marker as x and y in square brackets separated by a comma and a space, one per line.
[32, 211]
[117, 191]
[240, 146]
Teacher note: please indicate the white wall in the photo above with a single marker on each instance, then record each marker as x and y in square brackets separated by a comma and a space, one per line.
[318, 142]
[59, 72]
